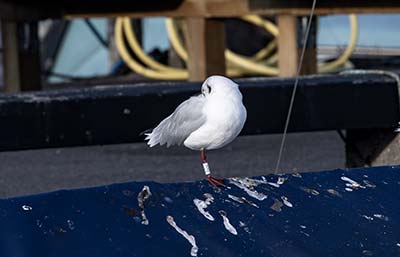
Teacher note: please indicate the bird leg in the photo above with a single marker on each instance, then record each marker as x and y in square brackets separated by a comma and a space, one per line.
[213, 181]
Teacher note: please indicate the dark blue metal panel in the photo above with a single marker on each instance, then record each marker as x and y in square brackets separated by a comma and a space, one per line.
[335, 213]
[119, 114]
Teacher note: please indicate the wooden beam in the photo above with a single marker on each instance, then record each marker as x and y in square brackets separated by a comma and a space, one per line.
[290, 44]
[21, 56]
[287, 45]
[234, 8]
[206, 46]
[21, 10]
[10, 57]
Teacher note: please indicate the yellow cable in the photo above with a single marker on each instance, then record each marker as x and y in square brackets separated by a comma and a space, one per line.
[137, 49]
[135, 66]
[265, 51]
[180, 50]
[244, 63]
[272, 60]
[341, 60]
[237, 65]
[248, 65]
[177, 44]
[174, 39]
[266, 24]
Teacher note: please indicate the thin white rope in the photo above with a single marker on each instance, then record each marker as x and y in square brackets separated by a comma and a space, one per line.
[278, 162]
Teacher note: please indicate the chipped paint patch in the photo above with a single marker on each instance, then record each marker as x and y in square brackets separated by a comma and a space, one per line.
[368, 184]
[71, 224]
[277, 206]
[249, 181]
[310, 190]
[190, 238]
[334, 192]
[235, 198]
[367, 253]
[296, 175]
[142, 197]
[26, 207]
[281, 180]
[286, 201]
[351, 183]
[202, 205]
[168, 199]
[368, 217]
[242, 200]
[304, 233]
[244, 226]
[227, 224]
[381, 216]
[273, 184]
[278, 183]
[248, 186]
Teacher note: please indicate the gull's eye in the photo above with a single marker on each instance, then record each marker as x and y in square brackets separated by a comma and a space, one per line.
[209, 89]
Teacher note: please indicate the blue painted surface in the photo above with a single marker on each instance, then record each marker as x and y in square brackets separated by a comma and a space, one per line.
[106, 221]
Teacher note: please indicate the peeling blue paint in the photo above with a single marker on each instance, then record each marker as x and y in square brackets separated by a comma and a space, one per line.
[107, 221]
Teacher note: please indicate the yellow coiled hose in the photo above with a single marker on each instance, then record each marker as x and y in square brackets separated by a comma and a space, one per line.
[237, 65]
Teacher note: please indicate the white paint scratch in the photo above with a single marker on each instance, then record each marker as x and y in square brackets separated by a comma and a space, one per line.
[227, 224]
[310, 190]
[26, 207]
[378, 216]
[281, 180]
[244, 226]
[334, 192]
[202, 206]
[296, 175]
[273, 184]
[351, 183]
[381, 216]
[278, 183]
[142, 197]
[248, 186]
[242, 200]
[368, 184]
[286, 201]
[304, 233]
[368, 217]
[190, 238]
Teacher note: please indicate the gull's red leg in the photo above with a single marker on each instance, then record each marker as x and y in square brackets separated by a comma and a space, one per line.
[213, 181]
[216, 181]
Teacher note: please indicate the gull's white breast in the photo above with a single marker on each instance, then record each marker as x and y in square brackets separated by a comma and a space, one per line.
[225, 117]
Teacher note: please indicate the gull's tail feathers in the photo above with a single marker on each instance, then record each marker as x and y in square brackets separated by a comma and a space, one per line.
[153, 138]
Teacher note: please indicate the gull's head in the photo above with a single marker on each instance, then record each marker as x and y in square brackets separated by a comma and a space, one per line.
[219, 85]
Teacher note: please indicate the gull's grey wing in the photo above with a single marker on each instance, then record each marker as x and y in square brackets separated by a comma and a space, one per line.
[174, 129]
